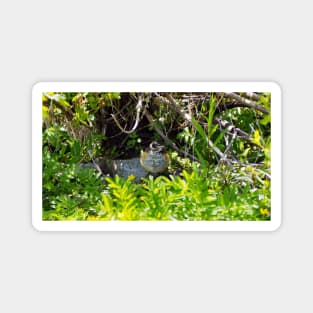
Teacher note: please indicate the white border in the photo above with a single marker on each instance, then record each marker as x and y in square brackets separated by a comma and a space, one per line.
[41, 225]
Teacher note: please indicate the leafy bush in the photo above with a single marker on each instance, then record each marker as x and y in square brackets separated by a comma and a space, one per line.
[192, 197]
[228, 180]
[69, 191]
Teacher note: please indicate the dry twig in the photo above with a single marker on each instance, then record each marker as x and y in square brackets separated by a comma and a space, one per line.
[166, 139]
[139, 107]
[247, 103]
[188, 118]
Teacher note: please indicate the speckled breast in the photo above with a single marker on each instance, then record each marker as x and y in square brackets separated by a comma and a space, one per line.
[154, 162]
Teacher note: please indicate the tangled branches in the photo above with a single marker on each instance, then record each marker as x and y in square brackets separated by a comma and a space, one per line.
[228, 128]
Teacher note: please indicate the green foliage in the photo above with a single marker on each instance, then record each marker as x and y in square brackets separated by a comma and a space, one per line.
[119, 200]
[204, 133]
[202, 144]
[208, 190]
[69, 192]
[58, 141]
[191, 197]
[133, 142]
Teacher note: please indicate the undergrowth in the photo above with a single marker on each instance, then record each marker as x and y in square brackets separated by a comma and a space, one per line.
[228, 180]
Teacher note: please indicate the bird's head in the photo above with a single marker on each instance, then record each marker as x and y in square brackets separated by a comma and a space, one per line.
[156, 147]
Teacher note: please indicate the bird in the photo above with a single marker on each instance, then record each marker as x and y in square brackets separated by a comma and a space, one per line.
[155, 158]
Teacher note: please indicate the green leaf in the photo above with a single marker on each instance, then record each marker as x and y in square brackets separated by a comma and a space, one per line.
[266, 120]
[210, 117]
[61, 99]
[200, 130]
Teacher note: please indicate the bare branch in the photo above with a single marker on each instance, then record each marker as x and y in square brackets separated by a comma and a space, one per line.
[166, 139]
[231, 142]
[231, 127]
[177, 108]
[247, 103]
[95, 163]
[188, 118]
[252, 95]
[138, 111]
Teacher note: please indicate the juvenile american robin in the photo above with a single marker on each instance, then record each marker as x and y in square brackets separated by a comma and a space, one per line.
[154, 159]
